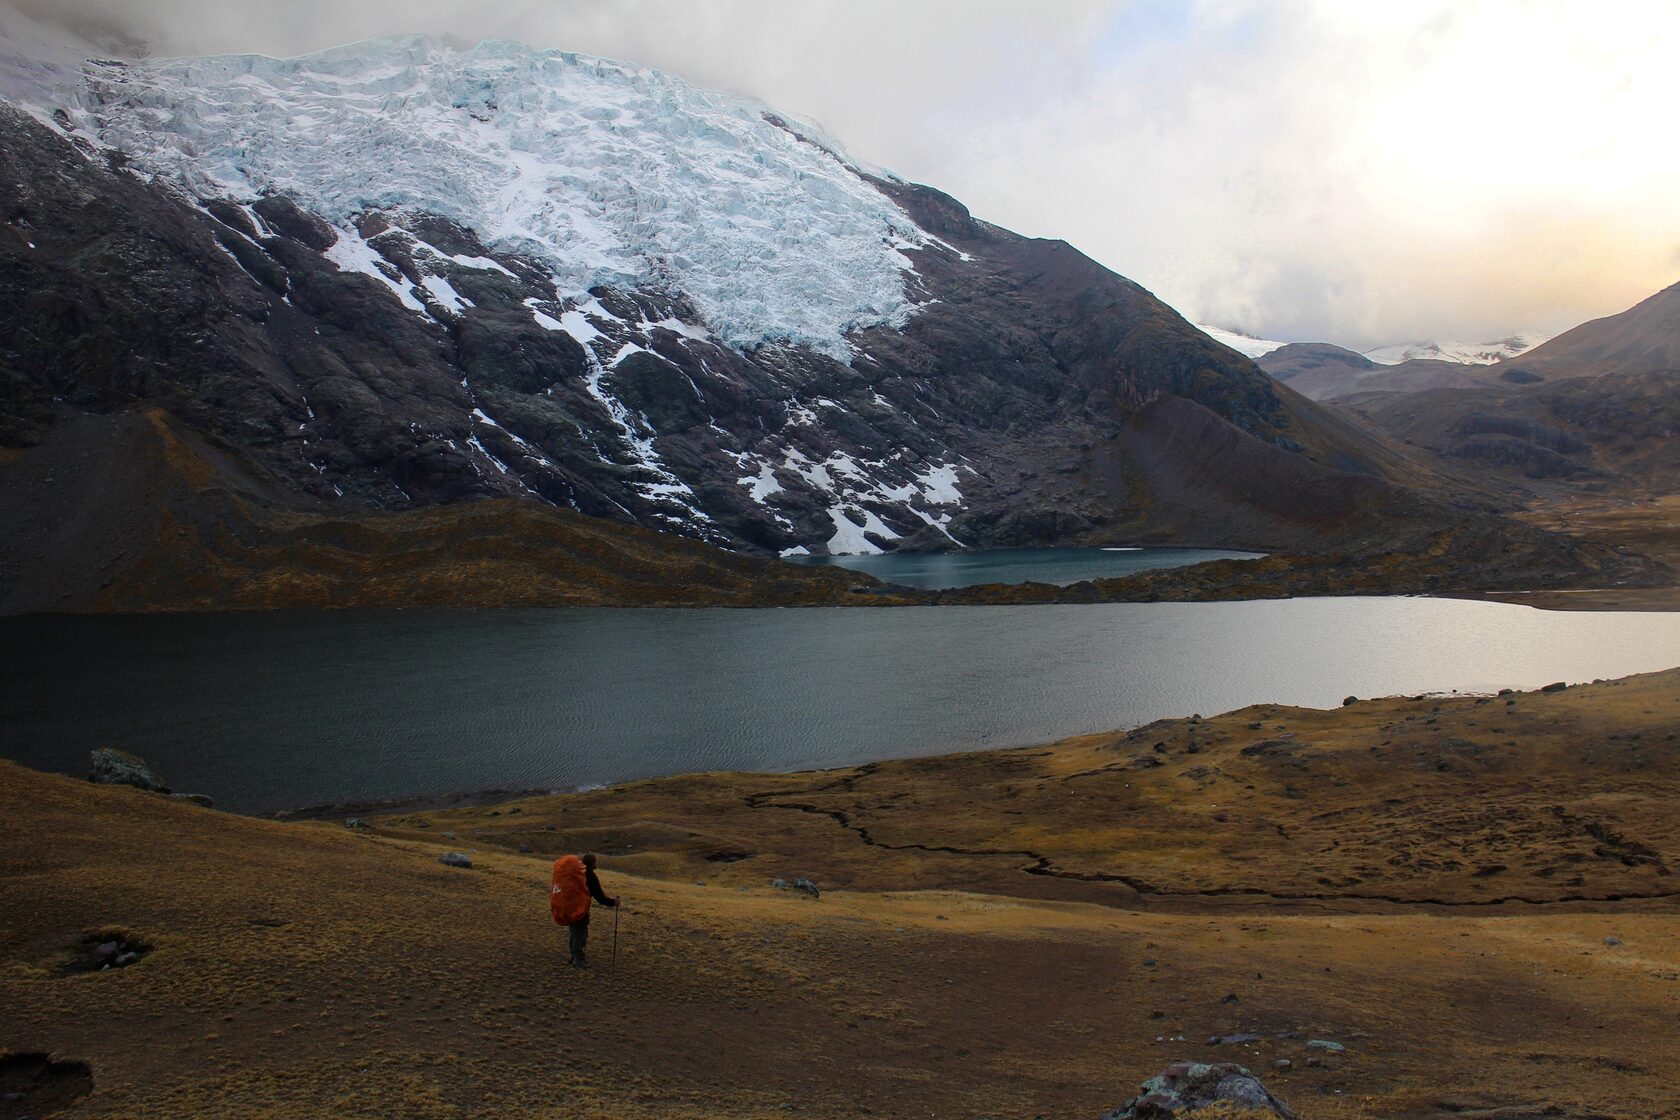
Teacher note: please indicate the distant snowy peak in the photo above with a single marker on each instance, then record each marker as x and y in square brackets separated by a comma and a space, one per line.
[1465, 353]
[603, 173]
[1245, 344]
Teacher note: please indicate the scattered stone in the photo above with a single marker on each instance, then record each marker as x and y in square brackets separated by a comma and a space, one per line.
[100, 952]
[1506, 691]
[355, 822]
[450, 835]
[1612, 941]
[1326, 1045]
[456, 859]
[1556, 686]
[112, 767]
[779, 884]
[1233, 1039]
[1231, 998]
[199, 799]
[1283, 1065]
[525, 849]
[1349, 701]
[810, 888]
[1186, 1089]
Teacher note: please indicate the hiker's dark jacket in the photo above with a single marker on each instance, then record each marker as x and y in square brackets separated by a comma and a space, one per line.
[594, 885]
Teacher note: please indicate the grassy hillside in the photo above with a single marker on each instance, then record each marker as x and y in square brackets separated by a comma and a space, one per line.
[1005, 934]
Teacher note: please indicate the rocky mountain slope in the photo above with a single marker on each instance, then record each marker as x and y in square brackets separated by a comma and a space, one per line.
[400, 277]
[1643, 339]
[1324, 371]
[1595, 409]
[400, 274]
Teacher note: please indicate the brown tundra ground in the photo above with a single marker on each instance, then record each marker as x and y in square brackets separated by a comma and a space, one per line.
[1472, 895]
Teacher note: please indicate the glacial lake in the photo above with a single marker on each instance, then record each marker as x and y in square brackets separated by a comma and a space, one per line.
[268, 711]
[1060, 566]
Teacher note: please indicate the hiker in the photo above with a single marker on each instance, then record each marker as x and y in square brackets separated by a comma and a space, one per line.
[570, 891]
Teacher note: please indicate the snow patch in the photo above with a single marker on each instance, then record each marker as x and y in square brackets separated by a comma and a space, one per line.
[351, 253]
[939, 485]
[444, 292]
[852, 539]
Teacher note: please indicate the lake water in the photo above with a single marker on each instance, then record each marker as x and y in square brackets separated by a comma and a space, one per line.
[265, 711]
[1060, 566]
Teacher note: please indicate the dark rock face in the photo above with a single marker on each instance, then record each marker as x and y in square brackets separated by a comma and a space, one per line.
[119, 768]
[1004, 413]
[1190, 1089]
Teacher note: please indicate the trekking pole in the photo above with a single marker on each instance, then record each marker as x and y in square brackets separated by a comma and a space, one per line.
[617, 910]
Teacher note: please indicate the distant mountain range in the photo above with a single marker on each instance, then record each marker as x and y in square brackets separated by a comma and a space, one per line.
[1459, 353]
[1597, 407]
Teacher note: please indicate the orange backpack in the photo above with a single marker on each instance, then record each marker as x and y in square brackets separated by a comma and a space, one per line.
[568, 892]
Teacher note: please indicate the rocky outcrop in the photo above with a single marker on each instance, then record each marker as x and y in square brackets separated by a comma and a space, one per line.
[1185, 1090]
[119, 768]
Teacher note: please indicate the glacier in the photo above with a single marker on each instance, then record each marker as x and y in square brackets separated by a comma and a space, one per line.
[601, 172]
[1245, 344]
[1467, 353]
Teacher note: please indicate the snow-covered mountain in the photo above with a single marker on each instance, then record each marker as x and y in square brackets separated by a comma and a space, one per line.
[402, 273]
[1245, 344]
[1464, 353]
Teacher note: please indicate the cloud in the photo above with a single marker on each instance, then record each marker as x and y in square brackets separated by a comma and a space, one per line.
[1365, 173]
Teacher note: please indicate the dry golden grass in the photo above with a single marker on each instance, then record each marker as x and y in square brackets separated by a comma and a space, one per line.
[306, 969]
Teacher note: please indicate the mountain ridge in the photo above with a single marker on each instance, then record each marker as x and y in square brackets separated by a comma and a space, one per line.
[395, 360]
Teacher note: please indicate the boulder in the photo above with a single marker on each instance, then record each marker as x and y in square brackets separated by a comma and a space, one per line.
[456, 859]
[1193, 1089]
[119, 768]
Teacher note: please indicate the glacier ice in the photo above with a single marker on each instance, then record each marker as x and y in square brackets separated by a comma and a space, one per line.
[1469, 353]
[606, 173]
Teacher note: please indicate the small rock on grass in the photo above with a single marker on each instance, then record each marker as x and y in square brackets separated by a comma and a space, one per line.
[119, 768]
[1198, 1088]
[1326, 1045]
[456, 859]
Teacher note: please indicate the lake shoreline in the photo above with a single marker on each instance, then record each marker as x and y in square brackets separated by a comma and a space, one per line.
[1235, 887]
[342, 712]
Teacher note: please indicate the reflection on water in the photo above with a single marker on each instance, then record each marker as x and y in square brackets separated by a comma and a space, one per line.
[1060, 566]
[264, 711]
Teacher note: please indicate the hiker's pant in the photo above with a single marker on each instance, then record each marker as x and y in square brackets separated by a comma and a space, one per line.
[577, 936]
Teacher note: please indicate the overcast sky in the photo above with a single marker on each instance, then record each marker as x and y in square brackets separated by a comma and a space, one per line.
[1347, 170]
